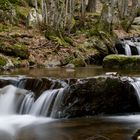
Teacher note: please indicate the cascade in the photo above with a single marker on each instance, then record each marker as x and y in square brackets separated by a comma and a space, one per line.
[136, 85]
[137, 45]
[127, 50]
[43, 103]
[26, 103]
[130, 46]
[18, 108]
[138, 49]
[7, 99]
[13, 99]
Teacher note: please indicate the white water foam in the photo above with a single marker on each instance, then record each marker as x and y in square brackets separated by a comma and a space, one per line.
[11, 124]
[127, 50]
[12, 98]
[7, 98]
[136, 86]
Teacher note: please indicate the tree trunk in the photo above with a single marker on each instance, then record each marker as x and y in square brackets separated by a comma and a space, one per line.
[83, 9]
[106, 18]
[127, 16]
[123, 8]
[91, 7]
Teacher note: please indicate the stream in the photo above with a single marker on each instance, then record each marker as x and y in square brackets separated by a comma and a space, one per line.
[32, 127]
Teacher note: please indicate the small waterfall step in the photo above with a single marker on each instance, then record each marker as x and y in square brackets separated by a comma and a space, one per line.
[128, 46]
[18, 101]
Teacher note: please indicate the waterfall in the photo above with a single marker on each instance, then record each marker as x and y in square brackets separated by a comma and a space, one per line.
[26, 103]
[136, 85]
[138, 49]
[137, 45]
[127, 50]
[15, 100]
[57, 102]
[43, 103]
[7, 100]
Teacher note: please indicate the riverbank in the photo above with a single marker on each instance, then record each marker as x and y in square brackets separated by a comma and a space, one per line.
[23, 43]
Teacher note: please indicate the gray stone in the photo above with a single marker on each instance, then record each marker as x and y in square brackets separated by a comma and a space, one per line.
[136, 21]
[33, 18]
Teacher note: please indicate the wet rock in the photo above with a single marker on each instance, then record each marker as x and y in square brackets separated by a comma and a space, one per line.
[122, 62]
[136, 135]
[120, 47]
[102, 95]
[39, 85]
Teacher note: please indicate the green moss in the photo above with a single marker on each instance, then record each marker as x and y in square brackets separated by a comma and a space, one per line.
[22, 12]
[3, 28]
[3, 61]
[17, 50]
[14, 1]
[93, 32]
[5, 5]
[124, 24]
[121, 61]
[78, 62]
[20, 50]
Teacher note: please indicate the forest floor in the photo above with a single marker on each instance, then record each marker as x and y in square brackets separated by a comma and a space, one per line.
[78, 51]
[48, 53]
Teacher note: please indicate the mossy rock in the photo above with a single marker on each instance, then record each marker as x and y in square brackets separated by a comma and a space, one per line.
[99, 45]
[17, 50]
[78, 62]
[121, 62]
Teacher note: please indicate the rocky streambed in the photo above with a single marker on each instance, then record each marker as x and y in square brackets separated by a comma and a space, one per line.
[98, 96]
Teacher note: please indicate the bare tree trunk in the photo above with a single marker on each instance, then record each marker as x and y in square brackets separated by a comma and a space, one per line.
[36, 5]
[127, 15]
[106, 19]
[123, 8]
[83, 9]
[132, 14]
[91, 7]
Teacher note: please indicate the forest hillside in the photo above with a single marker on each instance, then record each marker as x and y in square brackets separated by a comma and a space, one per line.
[66, 33]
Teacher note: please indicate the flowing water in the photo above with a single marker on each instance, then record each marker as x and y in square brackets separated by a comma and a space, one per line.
[10, 119]
[22, 117]
[127, 50]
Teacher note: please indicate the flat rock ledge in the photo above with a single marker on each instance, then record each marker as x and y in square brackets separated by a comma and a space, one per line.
[121, 62]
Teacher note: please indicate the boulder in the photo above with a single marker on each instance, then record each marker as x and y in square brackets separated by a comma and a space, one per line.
[33, 18]
[136, 21]
[121, 62]
[99, 95]
[99, 45]
[17, 50]
[77, 62]
[5, 63]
